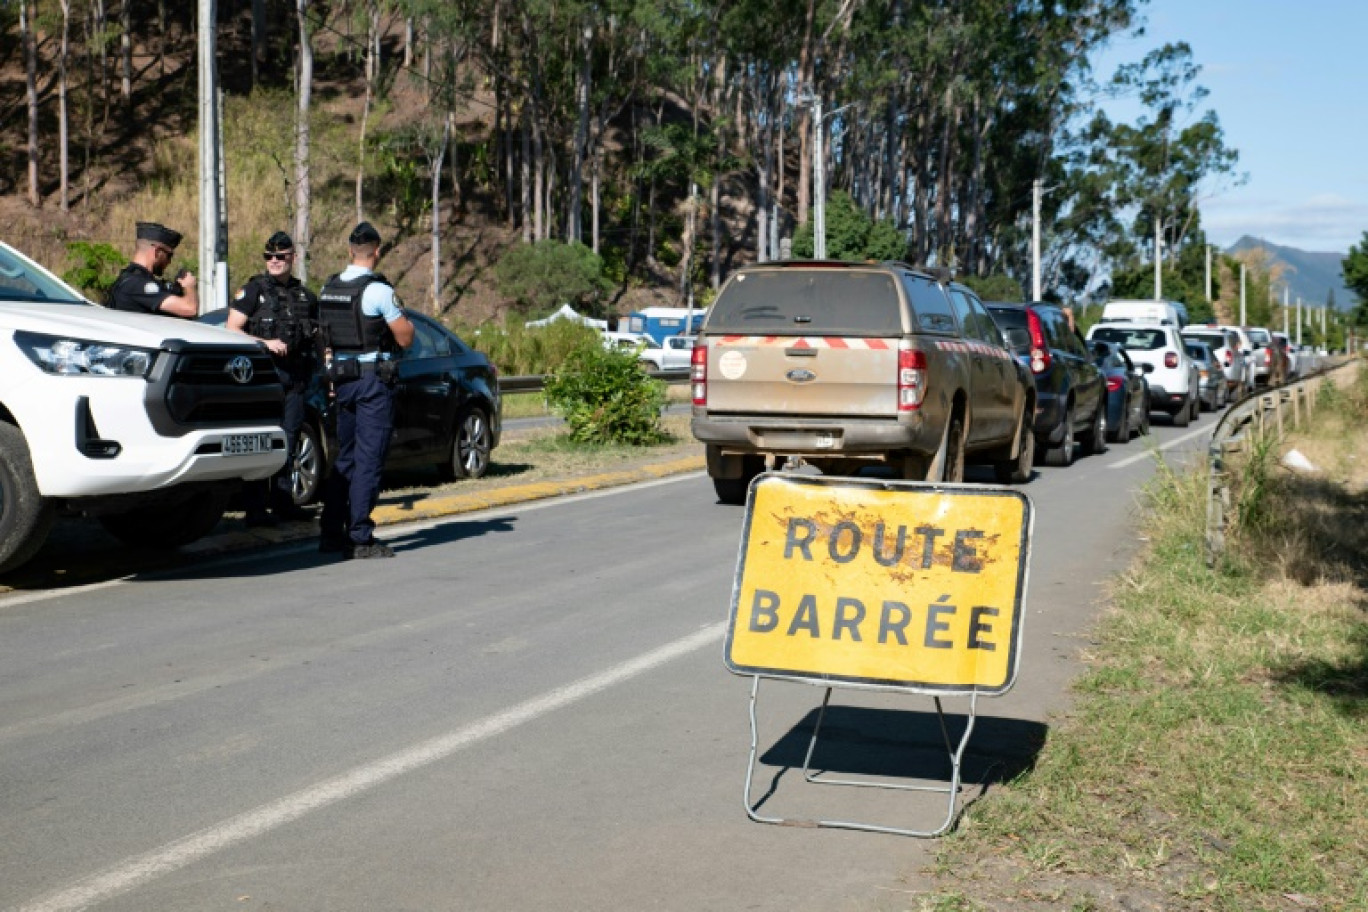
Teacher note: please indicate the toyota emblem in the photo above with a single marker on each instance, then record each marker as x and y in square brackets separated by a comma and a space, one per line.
[240, 369]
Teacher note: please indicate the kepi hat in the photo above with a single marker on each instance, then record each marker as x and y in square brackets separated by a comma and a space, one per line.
[158, 234]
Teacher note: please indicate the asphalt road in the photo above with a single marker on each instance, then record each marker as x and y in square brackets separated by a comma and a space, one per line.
[527, 710]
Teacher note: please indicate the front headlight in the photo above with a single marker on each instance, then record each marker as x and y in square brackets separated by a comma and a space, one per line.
[81, 357]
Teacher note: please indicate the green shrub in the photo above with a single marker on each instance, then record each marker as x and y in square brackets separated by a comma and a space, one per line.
[541, 277]
[851, 234]
[605, 398]
[996, 287]
[96, 267]
[518, 350]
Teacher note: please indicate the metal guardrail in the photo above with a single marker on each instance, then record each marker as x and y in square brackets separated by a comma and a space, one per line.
[535, 383]
[1267, 411]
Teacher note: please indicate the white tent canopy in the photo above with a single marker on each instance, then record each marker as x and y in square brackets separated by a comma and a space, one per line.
[567, 312]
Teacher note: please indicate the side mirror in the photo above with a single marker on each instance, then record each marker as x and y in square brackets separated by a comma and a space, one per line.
[1101, 349]
[1147, 368]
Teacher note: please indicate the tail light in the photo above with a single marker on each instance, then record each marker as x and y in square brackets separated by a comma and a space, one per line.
[1229, 358]
[1040, 351]
[1114, 384]
[1268, 357]
[911, 379]
[1170, 359]
[698, 373]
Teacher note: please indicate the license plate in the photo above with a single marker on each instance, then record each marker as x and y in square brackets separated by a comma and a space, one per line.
[825, 440]
[246, 444]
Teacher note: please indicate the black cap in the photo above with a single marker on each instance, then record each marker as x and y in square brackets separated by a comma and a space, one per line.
[279, 242]
[364, 233]
[158, 234]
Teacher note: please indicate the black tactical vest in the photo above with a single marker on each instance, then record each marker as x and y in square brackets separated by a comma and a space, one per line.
[345, 330]
[282, 312]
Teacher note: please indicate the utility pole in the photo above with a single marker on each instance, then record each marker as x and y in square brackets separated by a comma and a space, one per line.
[1299, 321]
[1208, 273]
[1037, 191]
[1284, 310]
[1158, 260]
[1243, 320]
[213, 272]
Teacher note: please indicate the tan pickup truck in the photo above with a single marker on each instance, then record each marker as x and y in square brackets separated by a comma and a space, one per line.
[847, 365]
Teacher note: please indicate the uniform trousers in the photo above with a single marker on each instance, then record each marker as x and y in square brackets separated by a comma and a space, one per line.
[278, 490]
[365, 422]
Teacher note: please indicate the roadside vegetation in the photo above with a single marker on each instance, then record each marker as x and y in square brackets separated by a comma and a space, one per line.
[1216, 757]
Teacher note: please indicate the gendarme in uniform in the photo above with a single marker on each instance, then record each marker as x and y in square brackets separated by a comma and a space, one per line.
[363, 328]
[140, 288]
[276, 308]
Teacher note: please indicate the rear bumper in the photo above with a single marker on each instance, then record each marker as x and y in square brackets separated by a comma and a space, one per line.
[816, 437]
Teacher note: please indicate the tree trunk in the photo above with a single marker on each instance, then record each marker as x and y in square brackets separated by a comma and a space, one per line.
[573, 219]
[26, 37]
[372, 66]
[526, 186]
[126, 53]
[161, 37]
[436, 220]
[103, 45]
[806, 66]
[594, 167]
[408, 42]
[258, 39]
[302, 187]
[63, 125]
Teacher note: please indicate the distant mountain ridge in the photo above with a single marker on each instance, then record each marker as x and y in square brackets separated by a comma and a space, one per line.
[1311, 274]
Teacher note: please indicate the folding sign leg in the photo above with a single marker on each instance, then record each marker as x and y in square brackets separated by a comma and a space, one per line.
[954, 752]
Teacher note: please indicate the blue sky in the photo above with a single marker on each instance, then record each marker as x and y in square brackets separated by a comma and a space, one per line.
[1289, 81]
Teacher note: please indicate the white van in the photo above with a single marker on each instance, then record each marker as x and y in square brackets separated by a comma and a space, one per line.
[1165, 313]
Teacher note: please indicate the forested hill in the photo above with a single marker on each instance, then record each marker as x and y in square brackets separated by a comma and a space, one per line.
[1311, 275]
[673, 139]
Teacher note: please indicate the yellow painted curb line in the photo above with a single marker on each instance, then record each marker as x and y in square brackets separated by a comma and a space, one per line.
[448, 504]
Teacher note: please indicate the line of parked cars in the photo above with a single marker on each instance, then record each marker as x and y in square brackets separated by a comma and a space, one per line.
[851, 366]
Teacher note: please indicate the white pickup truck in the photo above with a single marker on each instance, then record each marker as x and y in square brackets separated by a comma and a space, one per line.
[146, 423]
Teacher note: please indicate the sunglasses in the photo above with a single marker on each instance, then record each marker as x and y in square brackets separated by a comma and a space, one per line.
[277, 256]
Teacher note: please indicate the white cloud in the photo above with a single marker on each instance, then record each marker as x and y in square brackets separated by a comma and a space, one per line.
[1326, 222]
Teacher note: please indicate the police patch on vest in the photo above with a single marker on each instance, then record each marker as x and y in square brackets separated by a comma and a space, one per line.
[151, 288]
[242, 293]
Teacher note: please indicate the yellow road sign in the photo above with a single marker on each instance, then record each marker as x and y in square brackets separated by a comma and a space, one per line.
[879, 583]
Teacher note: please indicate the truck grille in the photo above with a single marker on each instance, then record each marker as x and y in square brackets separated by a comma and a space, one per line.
[213, 386]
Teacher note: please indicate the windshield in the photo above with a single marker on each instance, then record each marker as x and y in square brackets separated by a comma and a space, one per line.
[21, 280]
[808, 302]
[1131, 339]
[1197, 352]
[1012, 322]
[1259, 337]
[1214, 341]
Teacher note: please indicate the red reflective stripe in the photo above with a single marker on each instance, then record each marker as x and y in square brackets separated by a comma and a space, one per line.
[836, 343]
[801, 343]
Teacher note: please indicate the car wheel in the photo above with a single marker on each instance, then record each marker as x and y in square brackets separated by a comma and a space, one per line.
[733, 490]
[953, 471]
[25, 517]
[1145, 421]
[168, 526]
[1183, 416]
[471, 448]
[1120, 434]
[1095, 439]
[1018, 471]
[306, 475]
[1063, 455]
[1197, 407]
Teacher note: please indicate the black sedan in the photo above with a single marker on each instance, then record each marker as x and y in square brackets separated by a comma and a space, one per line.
[1127, 391]
[448, 412]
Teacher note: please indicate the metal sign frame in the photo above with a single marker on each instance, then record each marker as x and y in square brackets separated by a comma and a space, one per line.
[955, 750]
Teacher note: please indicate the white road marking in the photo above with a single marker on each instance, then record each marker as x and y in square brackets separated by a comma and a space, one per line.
[1132, 460]
[140, 869]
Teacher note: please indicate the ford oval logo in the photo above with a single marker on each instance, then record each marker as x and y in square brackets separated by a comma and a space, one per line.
[240, 369]
[801, 375]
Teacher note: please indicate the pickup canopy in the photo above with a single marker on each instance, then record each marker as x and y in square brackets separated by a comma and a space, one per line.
[808, 302]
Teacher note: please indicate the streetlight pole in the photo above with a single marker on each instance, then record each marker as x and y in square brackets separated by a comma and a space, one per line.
[1243, 320]
[1037, 191]
[1299, 321]
[1158, 259]
[818, 183]
[1208, 273]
